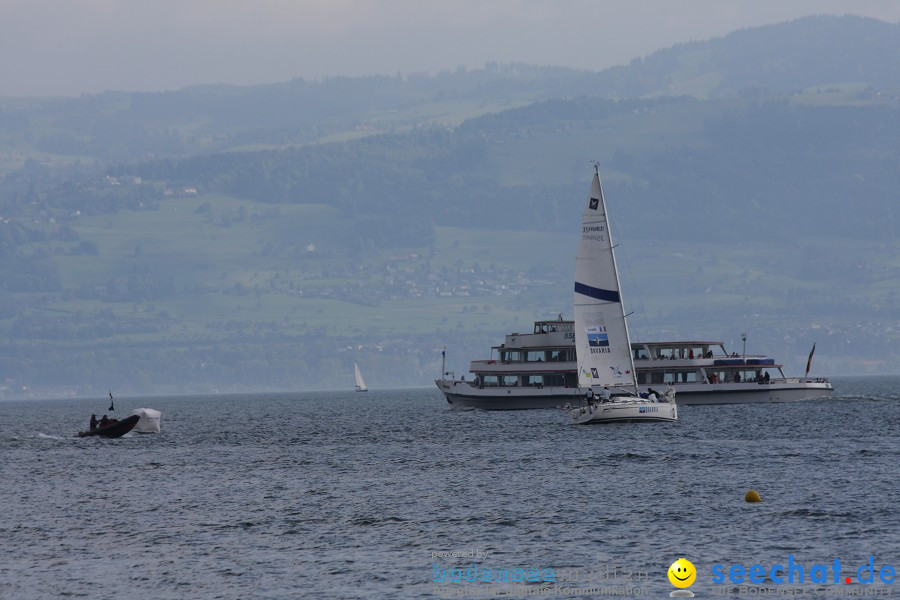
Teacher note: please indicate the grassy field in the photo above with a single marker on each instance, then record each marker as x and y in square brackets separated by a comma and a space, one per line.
[218, 274]
[221, 277]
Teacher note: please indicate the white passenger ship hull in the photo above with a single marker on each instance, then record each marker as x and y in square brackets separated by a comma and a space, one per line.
[744, 393]
[462, 394]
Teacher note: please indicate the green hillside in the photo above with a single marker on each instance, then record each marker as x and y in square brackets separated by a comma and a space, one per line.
[223, 238]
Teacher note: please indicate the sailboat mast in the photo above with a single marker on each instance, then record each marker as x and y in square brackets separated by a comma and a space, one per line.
[616, 274]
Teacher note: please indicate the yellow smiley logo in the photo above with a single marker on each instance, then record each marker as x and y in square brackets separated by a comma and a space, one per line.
[682, 573]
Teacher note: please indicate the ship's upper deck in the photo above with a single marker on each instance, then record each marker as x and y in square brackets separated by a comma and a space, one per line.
[553, 340]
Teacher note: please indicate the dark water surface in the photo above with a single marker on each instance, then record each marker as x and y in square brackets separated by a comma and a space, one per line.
[346, 495]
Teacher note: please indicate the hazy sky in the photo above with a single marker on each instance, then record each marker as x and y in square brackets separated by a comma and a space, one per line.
[70, 47]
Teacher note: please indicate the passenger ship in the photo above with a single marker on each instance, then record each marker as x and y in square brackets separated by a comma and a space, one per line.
[538, 370]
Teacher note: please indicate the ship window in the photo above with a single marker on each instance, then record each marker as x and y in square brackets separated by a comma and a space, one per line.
[534, 380]
[514, 356]
[553, 380]
[534, 355]
[490, 381]
[735, 376]
[509, 380]
[557, 355]
[561, 355]
[717, 376]
[682, 377]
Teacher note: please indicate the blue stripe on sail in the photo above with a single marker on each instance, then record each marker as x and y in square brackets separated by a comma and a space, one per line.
[592, 292]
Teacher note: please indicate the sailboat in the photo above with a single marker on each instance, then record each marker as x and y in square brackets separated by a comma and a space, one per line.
[606, 375]
[360, 382]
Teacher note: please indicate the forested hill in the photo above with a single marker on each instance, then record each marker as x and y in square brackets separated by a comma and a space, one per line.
[268, 237]
[778, 168]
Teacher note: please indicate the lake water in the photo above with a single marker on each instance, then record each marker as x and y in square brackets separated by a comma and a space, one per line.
[346, 495]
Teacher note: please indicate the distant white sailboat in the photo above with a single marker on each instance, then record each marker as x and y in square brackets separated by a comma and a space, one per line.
[606, 375]
[360, 382]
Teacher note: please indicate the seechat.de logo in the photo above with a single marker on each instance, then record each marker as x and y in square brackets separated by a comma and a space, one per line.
[793, 572]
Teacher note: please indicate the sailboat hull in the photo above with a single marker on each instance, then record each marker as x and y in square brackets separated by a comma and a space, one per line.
[117, 429]
[625, 412]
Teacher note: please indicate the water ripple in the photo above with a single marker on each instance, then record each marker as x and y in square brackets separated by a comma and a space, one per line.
[337, 496]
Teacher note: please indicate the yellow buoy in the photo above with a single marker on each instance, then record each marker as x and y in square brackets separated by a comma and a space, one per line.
[752, 496]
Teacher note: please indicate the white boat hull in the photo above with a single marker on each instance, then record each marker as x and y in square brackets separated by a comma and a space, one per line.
[462, 394]
[750, 393]
[627, 411]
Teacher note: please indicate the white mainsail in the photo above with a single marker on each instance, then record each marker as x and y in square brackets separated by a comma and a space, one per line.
[360, 383]
[602, 346]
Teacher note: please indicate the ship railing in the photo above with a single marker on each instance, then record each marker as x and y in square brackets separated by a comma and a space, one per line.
[704, 357]
[806, 380]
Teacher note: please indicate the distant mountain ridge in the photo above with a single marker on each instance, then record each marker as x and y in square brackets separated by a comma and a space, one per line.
[781, 58]
[775, 59]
